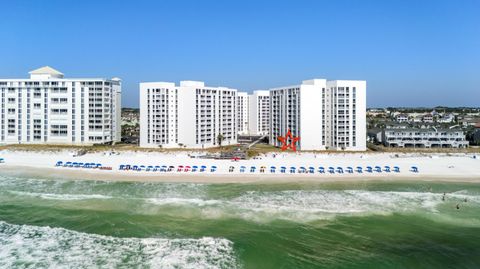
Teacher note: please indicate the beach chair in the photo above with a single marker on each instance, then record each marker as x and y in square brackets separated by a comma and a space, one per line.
[387, 169]
[321, 170]
[272, 169]
[293, 169]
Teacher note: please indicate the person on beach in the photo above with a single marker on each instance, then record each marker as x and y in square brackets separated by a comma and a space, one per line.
[443, 197]
[458, 206]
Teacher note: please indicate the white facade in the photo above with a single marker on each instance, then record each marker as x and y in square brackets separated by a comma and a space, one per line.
[50, 109]
[190, 115]
[243, 113]
[259, 119]
[324, 114]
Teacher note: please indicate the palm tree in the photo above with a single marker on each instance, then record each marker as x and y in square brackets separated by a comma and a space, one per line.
[220, 138]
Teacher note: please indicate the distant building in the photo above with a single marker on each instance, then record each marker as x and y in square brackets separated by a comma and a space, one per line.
[401, 118]
[50, 109]
[243, 113]
[259, 120]
[447, 118]
[427, 118]
[424, 138]
[189, 115]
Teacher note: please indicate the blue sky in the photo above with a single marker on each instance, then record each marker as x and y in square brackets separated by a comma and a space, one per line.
[412, 53]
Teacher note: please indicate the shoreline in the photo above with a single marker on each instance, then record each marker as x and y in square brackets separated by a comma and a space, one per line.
[432, 167]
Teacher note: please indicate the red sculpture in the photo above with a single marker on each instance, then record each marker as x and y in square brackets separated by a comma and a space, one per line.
[288, 138]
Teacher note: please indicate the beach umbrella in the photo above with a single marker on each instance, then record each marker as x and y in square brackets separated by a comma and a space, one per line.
[292, 169]
[359, 169]
[59, 163]
[272, 169]
[369, 169]
[213, 169]
[180, 168]
[194, 168]
[149, 168]
[121, 167]
[340, 170]
[242, 169]
[252, 169]
[203, 168]
[321, 169]
[387, 169]
[311, 170]
[164, 168]
[98, 165]
[396, 169]
[349, 169]
[414, 169]
[231, 168]
[331, 170]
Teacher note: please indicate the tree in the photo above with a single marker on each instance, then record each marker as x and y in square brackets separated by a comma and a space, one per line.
[220, 138]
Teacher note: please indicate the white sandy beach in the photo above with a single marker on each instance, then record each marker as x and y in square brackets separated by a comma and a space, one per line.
[438, 167]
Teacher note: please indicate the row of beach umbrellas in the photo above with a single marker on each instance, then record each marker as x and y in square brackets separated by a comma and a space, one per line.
[168, 168]
[78, 164]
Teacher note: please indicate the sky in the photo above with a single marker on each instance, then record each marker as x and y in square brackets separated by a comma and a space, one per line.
[411, 53]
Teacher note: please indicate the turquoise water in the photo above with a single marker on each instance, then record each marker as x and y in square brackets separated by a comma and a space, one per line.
[55, 223]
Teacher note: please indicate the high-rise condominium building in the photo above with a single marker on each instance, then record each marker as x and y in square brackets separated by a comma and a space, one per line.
[259, 120]
[324, 114]
[190, 115]
[50, 109]
[242, 112]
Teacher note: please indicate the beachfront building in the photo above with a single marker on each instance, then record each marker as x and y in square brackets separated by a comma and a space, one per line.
[424, 138]
[242, 113]
[324, 114]
[259, 120]
[189, 115]
[50, 109]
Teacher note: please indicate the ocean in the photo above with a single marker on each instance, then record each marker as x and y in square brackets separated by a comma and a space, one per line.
[59, 223]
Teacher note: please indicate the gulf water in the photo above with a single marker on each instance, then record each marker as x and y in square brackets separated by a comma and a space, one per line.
[59, 223]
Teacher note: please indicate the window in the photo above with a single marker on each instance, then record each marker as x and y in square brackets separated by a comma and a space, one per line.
[37, 106]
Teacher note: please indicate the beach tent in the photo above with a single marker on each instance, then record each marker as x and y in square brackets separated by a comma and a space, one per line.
[331, 170]
[359, 169]
[283, 169]
[242, 169]
[272, 169]
[321, 169]
[213, 169]
[311, 170]
[396, 169]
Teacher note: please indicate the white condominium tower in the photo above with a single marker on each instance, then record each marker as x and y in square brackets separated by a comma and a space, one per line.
[324, 114]
[51, 109]
[259, 120]
[190, 115]
[242, 112]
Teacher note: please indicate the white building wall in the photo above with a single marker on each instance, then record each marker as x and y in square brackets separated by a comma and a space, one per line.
[243, 113]
[48, 109]
[259, 110]
[196, 115]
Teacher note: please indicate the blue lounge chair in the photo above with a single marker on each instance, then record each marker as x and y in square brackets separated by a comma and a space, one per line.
[350, 169]
[378, 169]
[414, 169]
[311, 170]
[331, 170]
[302, 170]
[396, 169]
[272, 169]
[321, 170]
[369, 169]
[292, 169]
[359, 169]
[283, 169]
[59, 163]
[386, 169]
[340, 170]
